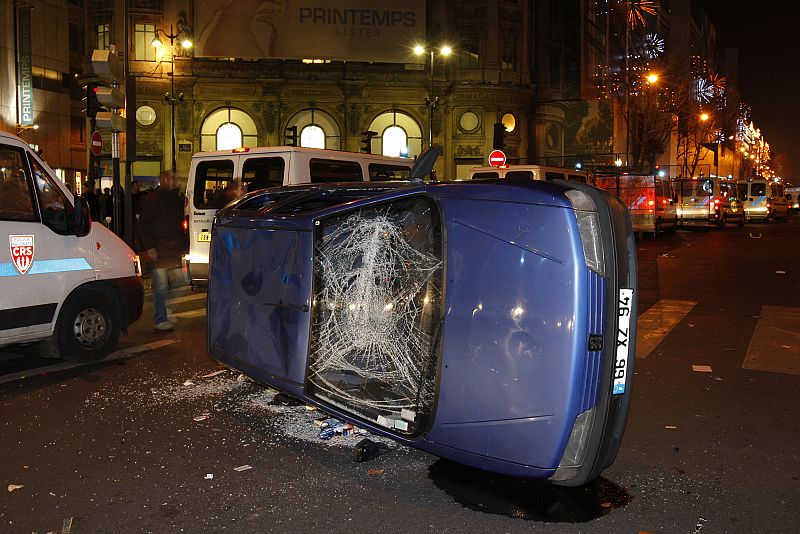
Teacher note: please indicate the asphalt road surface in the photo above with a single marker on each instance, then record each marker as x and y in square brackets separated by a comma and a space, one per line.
[155, 439]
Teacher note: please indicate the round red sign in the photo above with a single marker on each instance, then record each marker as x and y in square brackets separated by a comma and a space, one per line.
[96, 144]
[497, 158]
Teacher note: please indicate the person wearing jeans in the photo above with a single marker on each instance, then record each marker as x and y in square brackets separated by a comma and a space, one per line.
[163, 242]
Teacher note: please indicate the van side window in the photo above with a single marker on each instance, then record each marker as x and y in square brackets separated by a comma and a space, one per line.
[52, 200]
[578, 178]
[15, 195]
[211, 177]
[324, 170]
[385, 171]
[550, 176]
[260, 173]
[742, 190]
[519, 175]
[485, 175]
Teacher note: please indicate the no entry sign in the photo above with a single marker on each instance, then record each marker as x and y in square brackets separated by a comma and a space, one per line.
[96, 143]
[497, 158]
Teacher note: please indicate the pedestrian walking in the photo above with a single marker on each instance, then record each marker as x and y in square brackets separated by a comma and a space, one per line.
[163, 242]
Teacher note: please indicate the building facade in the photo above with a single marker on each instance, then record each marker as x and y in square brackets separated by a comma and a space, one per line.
[552, 72]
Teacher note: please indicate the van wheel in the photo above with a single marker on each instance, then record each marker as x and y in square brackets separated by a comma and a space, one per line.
[740, 223]
[88, 326]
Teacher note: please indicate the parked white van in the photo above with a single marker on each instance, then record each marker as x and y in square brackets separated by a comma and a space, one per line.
[764, 199]
[528, 172]
[64, 281]
[211, 173]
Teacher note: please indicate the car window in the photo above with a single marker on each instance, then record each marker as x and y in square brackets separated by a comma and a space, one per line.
[550, 176]
[387, 171]
[260, 173]
[322, 171]
[16, 203]
[742, 190]
[758, 189]
[210, 180]
[53, 202]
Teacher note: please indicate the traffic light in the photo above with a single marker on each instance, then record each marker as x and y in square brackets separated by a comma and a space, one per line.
[110, 93]
[92, 104]
[366, 141]
[499, 138]
[290, 135]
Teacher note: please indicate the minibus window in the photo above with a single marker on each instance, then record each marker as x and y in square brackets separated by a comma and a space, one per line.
[323, 170]
[15, 195]
[519, 175]
[211, 177]
[53, 203]
[758, 189]
[485, 175]
[550, 176]
[260, 173]
[385, 171]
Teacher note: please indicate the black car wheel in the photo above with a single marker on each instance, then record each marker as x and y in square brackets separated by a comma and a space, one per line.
[88, 326]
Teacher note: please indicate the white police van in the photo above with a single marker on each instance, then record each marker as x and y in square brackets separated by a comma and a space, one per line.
[64, 281]
[258, 168]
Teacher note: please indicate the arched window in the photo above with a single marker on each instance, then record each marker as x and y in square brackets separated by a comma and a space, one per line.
[395, 142]
[317, 129]
[312, 136]
[397, 128]
[229, 136]
[228, 128]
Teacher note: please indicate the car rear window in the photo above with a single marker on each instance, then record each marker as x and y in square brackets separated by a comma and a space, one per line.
[758, 189]
[387, 171]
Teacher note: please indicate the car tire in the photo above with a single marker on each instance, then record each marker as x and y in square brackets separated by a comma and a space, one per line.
[88, 326]
[740, 222]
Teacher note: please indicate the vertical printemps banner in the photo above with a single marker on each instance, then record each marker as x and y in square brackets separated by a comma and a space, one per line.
[24, 66]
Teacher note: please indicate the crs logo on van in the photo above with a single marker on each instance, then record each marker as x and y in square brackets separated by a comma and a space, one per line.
[22, 247]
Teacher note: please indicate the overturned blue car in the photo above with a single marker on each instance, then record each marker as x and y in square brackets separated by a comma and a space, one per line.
[491, 323]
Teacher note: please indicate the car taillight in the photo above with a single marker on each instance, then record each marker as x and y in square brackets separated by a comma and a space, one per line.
[186, 223]
[651, 203]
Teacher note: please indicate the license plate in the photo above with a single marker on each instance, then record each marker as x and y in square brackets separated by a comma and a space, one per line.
[204, 237]
[624, 310]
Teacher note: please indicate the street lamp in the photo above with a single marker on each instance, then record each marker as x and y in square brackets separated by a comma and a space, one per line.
[170, 97]
[431, 101]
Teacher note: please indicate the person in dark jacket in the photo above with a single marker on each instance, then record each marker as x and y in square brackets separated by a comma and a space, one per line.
[163, 242]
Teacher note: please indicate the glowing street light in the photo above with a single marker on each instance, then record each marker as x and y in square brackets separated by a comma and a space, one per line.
[431, 102]
[652, 78]
[704, 117]
[170, 97]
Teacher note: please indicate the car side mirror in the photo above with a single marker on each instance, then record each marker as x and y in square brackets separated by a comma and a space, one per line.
[82, 220]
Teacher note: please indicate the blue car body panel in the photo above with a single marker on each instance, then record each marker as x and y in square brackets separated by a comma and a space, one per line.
[510, 343]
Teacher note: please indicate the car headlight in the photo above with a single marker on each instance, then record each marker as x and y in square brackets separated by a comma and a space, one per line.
[589, 229]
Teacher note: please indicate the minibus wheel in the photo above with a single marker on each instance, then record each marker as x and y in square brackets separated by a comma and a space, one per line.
[88, 326]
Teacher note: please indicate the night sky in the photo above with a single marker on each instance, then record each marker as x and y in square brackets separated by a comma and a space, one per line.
[768, 37]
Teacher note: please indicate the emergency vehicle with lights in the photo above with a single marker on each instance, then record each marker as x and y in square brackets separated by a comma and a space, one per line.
[709, 201]
[65, 282]
[649, 198]
[258, 168]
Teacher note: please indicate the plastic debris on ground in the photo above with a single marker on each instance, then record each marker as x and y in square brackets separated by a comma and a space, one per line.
[701, 522]
[670, 427]
[15, 487]
[203, 416]
[755, 236]
[366, 450]
[701, 368]
[780, 272]
[282, 399]
[374, 472]
[215, 373]
[209, 476]
[241, 468]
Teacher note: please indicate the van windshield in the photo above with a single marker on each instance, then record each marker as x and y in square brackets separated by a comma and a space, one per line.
[696, 188]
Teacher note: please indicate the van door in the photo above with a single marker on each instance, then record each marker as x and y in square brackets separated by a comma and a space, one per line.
[40, 262]
[204, 196]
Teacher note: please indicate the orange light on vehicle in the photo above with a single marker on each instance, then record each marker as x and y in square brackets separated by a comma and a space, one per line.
[651, 203]
[241, 150]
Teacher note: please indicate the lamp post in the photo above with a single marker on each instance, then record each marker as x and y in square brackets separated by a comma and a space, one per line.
[431, 101]
[170, 97]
